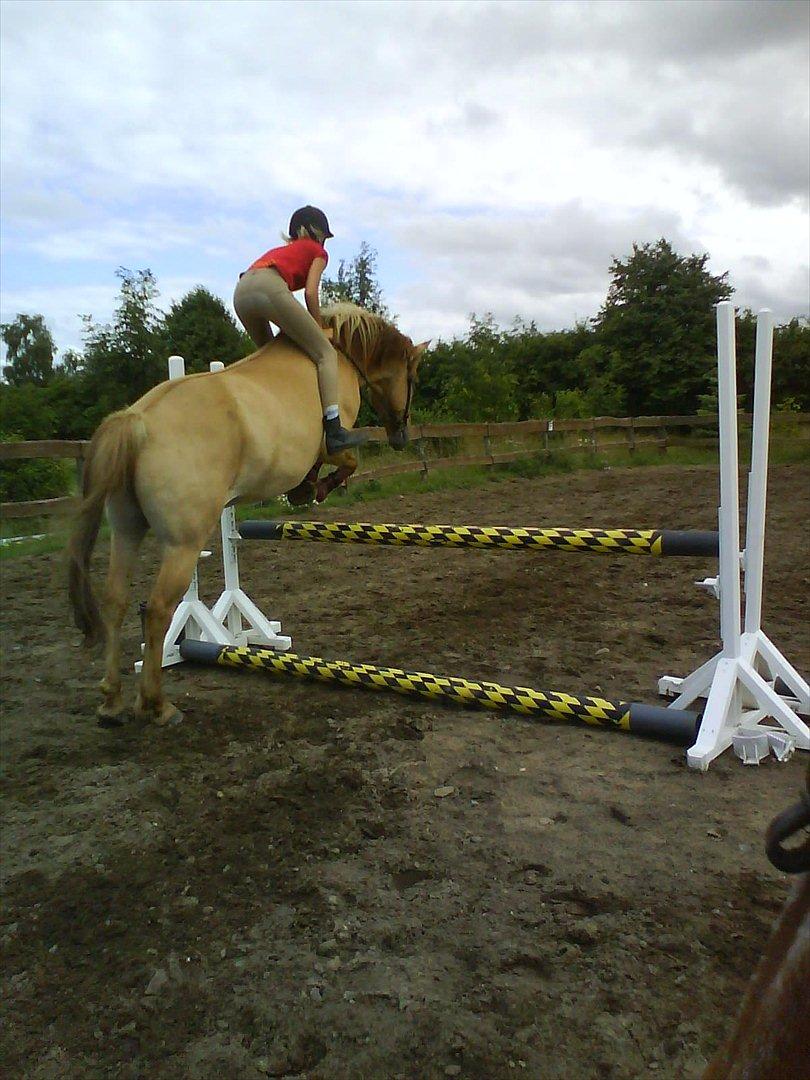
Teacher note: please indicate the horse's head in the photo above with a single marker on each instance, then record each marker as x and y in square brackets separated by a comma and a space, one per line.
[391, 377]
[386, 360]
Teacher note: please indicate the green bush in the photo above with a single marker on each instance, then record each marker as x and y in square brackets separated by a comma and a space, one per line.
[29, 481]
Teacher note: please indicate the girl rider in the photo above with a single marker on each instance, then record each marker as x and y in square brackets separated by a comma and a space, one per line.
[264, 295]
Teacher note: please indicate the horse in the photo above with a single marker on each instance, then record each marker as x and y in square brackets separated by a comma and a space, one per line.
[193, 445]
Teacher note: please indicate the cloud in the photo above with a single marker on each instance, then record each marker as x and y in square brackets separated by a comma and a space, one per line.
[526, 143]
[557, 271]
[553, 270]
[63, 305]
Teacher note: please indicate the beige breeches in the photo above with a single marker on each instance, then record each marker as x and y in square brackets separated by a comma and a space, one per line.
[262, 297]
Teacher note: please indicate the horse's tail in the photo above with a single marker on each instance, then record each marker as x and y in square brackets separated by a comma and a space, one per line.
[108, 468]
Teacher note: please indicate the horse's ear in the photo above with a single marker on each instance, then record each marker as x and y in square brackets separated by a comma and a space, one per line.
[419, 349]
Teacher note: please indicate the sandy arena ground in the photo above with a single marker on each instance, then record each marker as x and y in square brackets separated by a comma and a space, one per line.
[283, 886]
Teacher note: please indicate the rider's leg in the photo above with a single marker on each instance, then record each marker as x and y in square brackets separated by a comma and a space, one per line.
[298, 324]
[250, 306]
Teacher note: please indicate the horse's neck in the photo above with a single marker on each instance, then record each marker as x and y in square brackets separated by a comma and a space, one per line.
[358, 365]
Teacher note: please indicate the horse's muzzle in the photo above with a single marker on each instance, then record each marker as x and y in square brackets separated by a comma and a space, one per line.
[398, 439]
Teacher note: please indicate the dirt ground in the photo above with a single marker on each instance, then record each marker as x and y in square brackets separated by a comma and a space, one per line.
[282, 885]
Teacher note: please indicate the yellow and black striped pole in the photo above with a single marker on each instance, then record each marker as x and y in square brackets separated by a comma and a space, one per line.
[618, 541]
[671, 725]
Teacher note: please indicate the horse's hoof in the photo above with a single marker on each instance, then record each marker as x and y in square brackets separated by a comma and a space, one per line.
[111, 716]
[302, 495]
[168, 716]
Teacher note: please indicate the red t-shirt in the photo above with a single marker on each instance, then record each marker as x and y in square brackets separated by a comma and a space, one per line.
[293, 260]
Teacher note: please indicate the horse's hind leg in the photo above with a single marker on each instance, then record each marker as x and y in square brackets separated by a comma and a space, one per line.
[172, 581]
[128, 527]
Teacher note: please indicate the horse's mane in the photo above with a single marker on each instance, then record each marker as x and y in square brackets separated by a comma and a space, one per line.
[357, 332]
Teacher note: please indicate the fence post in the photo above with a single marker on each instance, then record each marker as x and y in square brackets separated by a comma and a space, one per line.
[420, 450]
[488, 446]
[663, 439]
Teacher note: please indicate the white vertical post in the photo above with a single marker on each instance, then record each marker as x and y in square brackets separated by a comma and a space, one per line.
[758, 476]
[234, 608]
[729, 513]
[230, 559]
[224, 623]
[177, 367]
[784, 681]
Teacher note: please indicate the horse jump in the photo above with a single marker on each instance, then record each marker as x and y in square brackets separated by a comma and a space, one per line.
[608, 541]
[746, 682]
[670, 725]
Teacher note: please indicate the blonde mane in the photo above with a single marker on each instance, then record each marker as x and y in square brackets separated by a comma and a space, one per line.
[357, 332]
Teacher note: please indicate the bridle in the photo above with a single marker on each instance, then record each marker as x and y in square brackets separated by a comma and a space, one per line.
[406, 415]
[366, 385]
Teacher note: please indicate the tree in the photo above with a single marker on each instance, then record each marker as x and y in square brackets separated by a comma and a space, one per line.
[472, 379]
[200, 329]
[26, 411]
[125, 359]
[357, 283]
[547, 365]
[658, 327]
[791, 368]
[30, 350]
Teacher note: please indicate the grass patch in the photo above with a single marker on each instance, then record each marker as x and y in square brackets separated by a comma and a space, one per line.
[40, 536]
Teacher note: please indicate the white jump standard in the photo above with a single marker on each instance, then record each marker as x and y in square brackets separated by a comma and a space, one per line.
[739, 683]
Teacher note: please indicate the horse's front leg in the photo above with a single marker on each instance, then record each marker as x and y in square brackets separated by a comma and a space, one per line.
[346, 463]
[305, 492]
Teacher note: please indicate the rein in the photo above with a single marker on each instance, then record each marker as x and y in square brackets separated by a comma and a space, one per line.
[794, 860]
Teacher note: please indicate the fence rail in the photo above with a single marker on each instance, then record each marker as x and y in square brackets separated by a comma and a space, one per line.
[587, 432]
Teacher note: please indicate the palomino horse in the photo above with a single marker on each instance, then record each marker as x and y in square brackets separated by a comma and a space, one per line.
[188, 447]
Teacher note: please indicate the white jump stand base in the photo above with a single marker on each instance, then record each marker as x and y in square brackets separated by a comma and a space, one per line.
[740, 692]
[235, 608]
[223, 624]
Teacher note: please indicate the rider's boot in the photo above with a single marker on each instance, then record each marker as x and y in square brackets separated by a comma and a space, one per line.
[338, 438]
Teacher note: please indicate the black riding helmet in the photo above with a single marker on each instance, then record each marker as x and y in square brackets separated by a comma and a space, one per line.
[307, 217]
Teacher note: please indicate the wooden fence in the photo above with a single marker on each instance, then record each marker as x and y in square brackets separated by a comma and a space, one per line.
[498, 444]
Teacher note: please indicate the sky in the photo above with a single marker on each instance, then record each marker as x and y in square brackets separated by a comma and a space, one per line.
[497, 156]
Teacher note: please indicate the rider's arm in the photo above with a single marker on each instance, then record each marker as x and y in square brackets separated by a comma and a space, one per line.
[311, 289]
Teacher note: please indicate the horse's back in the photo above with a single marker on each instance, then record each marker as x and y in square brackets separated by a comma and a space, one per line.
[250, 431]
